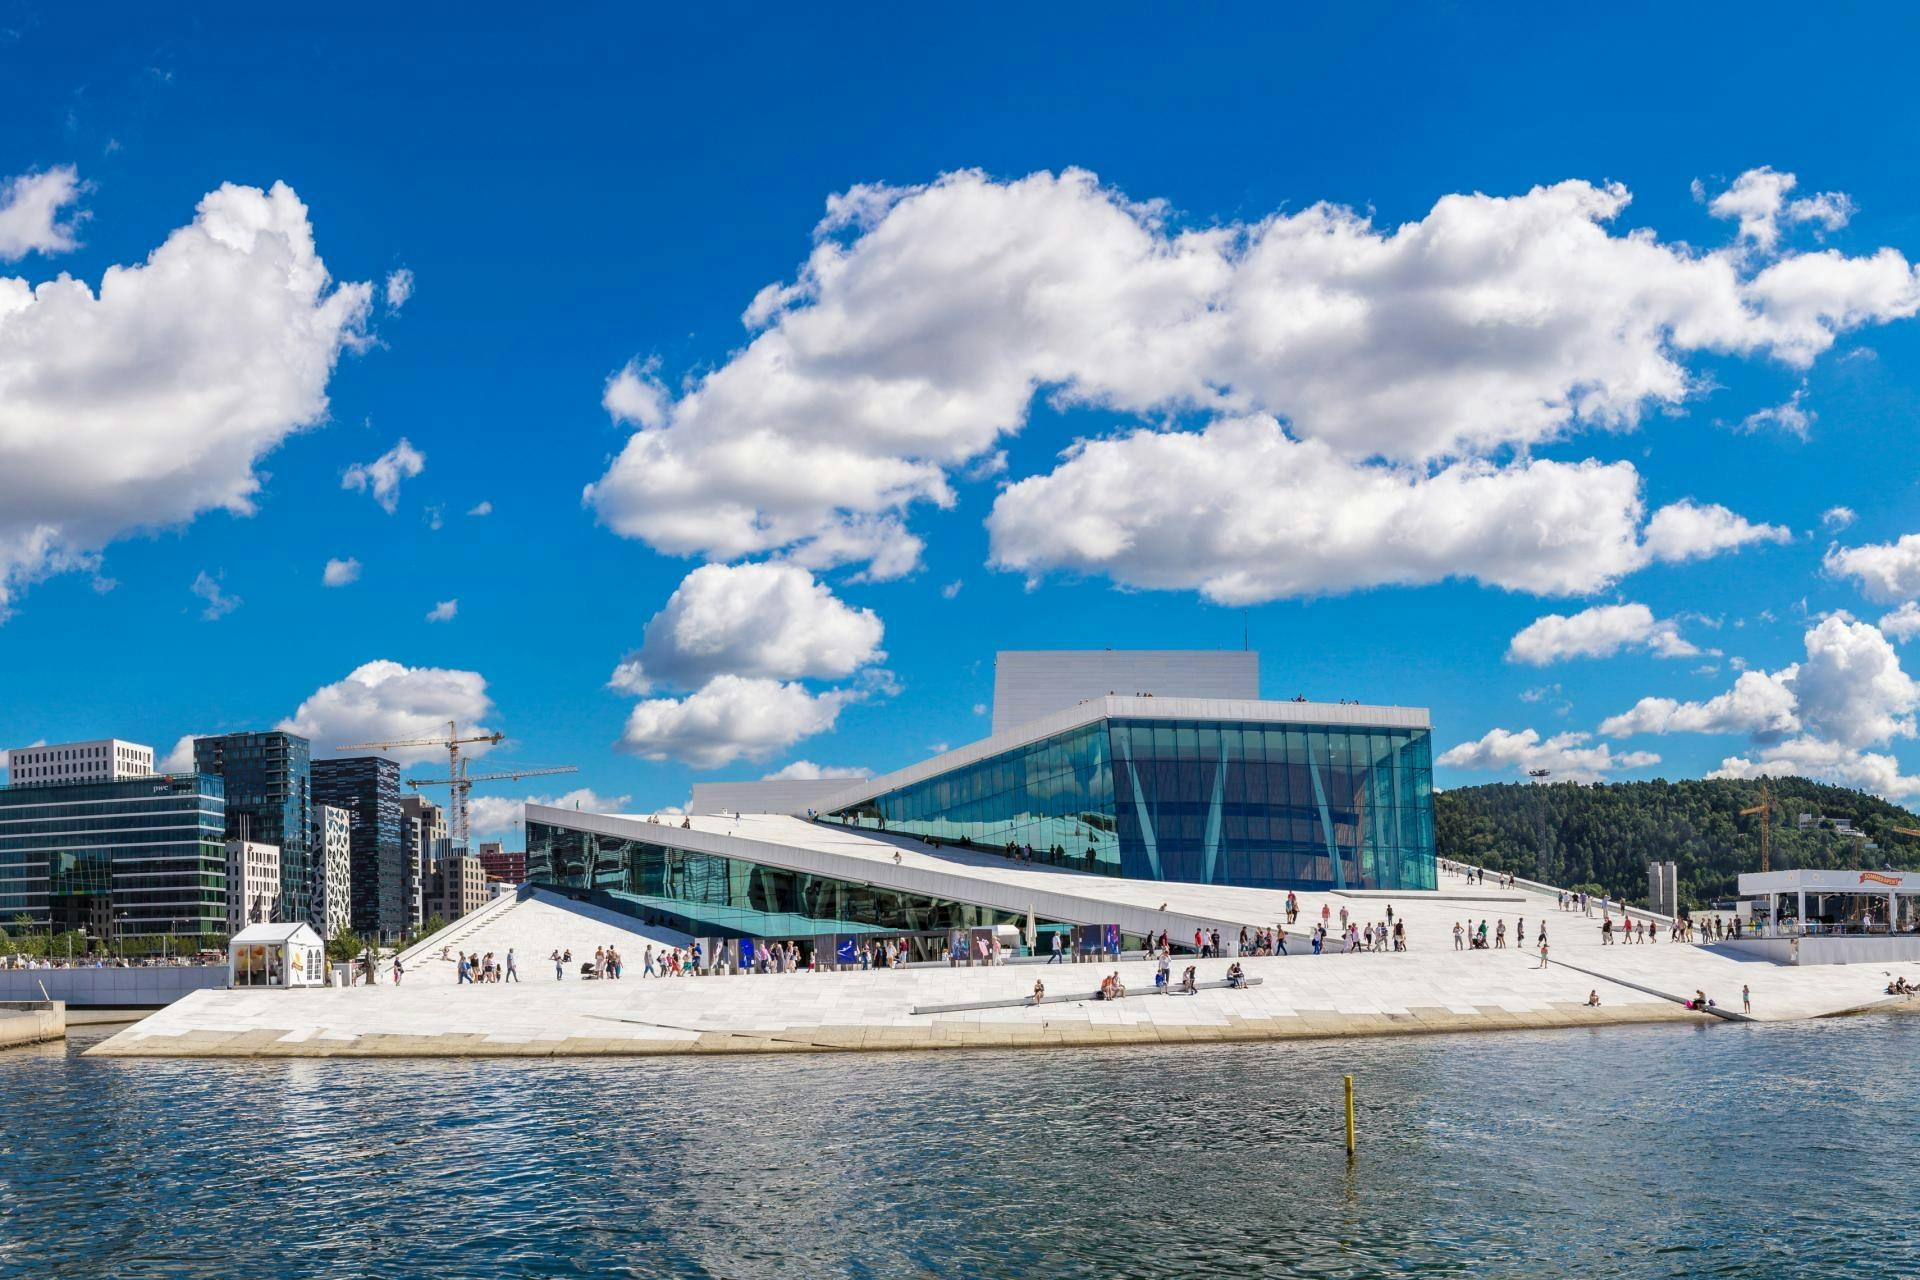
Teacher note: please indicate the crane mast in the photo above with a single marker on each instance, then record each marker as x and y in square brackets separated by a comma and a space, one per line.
[458, 781]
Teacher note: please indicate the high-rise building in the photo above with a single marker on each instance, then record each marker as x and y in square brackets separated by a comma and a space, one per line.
[134, 857]
[99, 760]
[368, 788]
[253, 884]
[502, 865]
[269, 799]
[332, 906]
[423, 837]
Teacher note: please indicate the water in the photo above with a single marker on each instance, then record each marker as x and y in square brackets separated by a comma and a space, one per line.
[1654, 1151]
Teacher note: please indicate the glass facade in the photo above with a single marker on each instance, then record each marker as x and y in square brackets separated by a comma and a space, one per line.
[269, 781]
[368, 788]
[1283, 806]
[139, 857]
[710, 896]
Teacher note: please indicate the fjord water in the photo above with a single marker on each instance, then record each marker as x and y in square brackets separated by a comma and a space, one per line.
[1665, 1150]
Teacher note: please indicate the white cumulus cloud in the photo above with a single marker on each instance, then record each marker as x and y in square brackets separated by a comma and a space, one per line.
[30, 212]
[1599, 632]
[180, 758]
[757, 620]
[339, 573]
[730, 718]
[1837, 518]
[384, 701]
[383, 475]
[1687, 530]
[1903, 624]
[1566, 755]
[1758, 201]
[503, 815]
[1243, 514]
[1886, 571]
[1828, 762]
[1850, 691]
[445, 611]
[145, 403]
[1760, 703]
[807, 769]
[925, 321]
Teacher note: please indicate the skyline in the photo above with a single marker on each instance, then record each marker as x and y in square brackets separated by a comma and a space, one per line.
[739, 452]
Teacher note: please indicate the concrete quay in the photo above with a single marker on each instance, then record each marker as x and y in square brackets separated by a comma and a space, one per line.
[31, 1022]
[1430, 988]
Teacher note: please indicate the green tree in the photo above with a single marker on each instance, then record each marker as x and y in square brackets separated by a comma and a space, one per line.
[345, 945]
[1605, 835]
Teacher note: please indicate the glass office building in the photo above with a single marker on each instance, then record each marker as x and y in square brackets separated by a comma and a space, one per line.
[368, 788]
[1279, 806]
[135, 857]
[269, 782]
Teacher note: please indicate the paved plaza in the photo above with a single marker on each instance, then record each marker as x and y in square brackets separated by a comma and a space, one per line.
[1429, 988]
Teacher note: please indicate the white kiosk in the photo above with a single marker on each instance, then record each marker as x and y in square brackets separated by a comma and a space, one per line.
[276, 955]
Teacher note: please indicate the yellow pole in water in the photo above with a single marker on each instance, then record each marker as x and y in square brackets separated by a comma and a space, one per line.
[1349, 1115]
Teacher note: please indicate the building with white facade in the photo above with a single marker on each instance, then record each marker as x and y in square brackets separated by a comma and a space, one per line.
[331, 904]
[98, 760]
[253, 883]
[1162, 793]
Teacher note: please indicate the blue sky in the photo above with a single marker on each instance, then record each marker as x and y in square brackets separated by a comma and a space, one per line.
[577, 195]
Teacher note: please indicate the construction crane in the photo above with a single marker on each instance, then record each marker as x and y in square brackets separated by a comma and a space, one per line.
[456, 777]
[463, 782]
[1765, 810]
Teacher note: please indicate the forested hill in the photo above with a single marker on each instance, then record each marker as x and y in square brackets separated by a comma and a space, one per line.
[1601, 837]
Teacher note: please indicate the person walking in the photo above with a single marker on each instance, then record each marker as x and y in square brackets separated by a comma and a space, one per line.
[1055, 957]
[465, 974]
[398, 969]
[1459, 937]
[1543, 953]
[513, 974]
[559, 968]
[1746, 998]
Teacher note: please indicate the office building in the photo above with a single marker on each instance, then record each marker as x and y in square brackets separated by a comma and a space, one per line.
[269, 786]
[331, 906]
[368, 788]
[98, 760]
[1201, 794]
[499, 864]
[253, 884]
[131, 857]
[459, 886]
[423, 840]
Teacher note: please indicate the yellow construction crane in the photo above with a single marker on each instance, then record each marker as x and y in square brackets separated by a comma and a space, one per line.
[463, 782]
[457, 778]
[1765, 810]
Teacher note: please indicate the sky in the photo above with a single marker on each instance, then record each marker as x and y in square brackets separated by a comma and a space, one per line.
[709, 394]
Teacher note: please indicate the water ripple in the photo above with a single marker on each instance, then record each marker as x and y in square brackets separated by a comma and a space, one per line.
[1654, 1151]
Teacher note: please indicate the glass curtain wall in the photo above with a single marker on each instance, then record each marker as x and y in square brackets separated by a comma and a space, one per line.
[1210, 802]
[1055, 795]
[710, 896]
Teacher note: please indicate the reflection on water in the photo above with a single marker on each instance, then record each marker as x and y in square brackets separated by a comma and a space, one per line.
[1662, 1150]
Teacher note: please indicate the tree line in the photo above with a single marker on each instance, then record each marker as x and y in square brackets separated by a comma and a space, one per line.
[1599, 838]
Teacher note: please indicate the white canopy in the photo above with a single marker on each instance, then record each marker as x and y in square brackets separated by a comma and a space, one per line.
[299, 933]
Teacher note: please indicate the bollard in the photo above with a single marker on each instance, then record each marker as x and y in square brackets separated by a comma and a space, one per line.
[1349, 1080]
